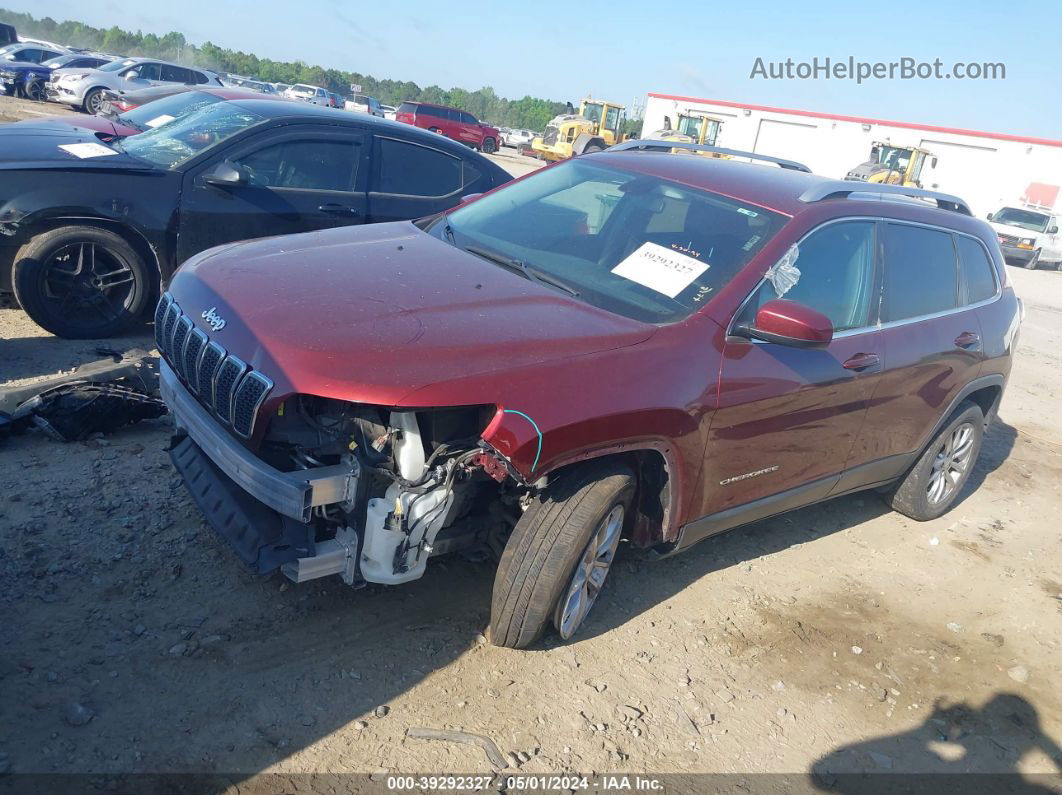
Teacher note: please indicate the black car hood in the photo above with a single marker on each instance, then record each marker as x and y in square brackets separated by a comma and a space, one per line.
[37, 146]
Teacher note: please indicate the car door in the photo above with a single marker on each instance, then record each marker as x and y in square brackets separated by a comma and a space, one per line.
[470, 131]
[931, 343]
[412, 180]
[298, 180]
[787, 418]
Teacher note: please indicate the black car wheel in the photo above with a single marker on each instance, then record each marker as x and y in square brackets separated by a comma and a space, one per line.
[81, 282]
[93, 101]
[561, 550]
[34, 89]
[935, 482]
[489, 146]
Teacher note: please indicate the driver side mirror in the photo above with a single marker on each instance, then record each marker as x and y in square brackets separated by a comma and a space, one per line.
[1052, 230]
[226, 174]
[989, 216]
[789, 323]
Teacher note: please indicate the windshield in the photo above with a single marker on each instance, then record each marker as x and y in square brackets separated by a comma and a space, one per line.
[303, 90]
[55, 63]
[165, 110]
[171, 144]
[592, 111]
[117, 66]
[1026, 219]
[894, 157]
[639, 246]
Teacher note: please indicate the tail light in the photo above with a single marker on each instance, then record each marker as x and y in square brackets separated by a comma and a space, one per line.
[404, 117]
[123, 105]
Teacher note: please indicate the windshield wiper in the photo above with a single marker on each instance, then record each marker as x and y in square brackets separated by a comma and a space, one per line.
[519, 266]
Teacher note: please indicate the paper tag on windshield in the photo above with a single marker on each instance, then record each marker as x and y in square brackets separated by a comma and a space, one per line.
[660, 269]
[87, 150]
[158, 121]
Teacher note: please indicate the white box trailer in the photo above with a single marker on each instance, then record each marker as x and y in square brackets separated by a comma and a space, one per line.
[987, 169]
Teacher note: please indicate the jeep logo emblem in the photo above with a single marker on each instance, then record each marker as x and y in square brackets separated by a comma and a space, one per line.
[213, 319]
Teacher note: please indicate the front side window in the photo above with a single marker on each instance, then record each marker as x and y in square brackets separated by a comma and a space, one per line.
[920, 272]
[146, 71]
[635, 245]
[306, 165]
[977, 271]
[836, 265]
[170, 145]
[408, 169]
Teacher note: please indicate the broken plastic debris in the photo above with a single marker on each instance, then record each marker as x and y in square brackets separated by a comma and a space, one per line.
[73, 412]
[784, 274]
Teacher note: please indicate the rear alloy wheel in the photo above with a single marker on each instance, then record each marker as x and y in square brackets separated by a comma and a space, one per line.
[93, 103]
[81, 282]
[932, 485]
[489, 146]
[1033, 261]
[34, 89]
[561, 550]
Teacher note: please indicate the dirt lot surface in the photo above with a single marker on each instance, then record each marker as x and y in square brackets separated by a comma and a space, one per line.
[839, 637]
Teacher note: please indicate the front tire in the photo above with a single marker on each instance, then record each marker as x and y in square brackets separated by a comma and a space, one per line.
[81, 282]
[489, 146]
[93, 102]
[932, 485]
[559, 554]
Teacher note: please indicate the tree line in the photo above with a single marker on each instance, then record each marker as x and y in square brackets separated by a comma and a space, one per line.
[529, 112]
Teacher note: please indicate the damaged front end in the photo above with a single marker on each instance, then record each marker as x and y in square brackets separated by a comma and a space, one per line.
[366, 492]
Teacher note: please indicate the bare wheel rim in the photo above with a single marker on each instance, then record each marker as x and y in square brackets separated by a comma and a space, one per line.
[951, 464]
[590, 573]
[87, 283]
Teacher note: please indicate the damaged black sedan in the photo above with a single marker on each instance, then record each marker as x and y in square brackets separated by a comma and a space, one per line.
[90, 230]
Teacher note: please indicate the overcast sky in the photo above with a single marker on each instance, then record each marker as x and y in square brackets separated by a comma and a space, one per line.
[620, 50]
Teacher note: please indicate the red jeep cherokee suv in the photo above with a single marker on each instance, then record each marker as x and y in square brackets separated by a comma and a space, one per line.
[629, 345]
[453, 123]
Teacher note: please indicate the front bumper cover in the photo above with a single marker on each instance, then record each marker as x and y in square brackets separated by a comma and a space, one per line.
[1017, 254]
[291, 494]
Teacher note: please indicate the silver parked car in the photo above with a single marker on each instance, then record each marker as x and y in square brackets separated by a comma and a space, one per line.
[315, 95]
[84, 88]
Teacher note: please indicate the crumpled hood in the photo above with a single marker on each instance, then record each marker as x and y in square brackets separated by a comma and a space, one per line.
[1014, 231]
[373, 313]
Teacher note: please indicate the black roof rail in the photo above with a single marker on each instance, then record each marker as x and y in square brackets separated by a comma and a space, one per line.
[846, 189]
[653, 145]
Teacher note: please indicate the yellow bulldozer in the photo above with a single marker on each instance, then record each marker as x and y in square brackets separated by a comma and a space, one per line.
[893, 165]
[595, 127]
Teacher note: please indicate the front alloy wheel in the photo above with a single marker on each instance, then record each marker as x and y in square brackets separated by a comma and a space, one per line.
[590, 574]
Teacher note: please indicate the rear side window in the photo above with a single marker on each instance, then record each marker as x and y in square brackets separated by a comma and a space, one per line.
[411, 170]
[977, 271]
[836, 266]
[175, 74]
[920, 272]
[200, 78]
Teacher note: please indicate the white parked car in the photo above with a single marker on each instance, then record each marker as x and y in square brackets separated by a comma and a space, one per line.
[389, 111]
[1028, 235]
[363, 103]
[315, 95]
[516, 137]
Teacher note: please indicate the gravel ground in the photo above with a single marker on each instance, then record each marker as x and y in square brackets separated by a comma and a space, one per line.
[839, 637]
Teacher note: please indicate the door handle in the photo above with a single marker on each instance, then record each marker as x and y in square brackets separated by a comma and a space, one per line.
[968, 340]
[333, 208]
[862, 361]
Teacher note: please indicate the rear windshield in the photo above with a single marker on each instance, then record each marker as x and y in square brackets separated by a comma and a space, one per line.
[407, 107]
[636, 245]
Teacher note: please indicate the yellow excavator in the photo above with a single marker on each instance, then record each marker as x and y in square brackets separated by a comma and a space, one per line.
[595, 127]
[893, 165]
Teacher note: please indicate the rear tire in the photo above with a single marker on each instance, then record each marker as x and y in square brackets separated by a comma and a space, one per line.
[571, 530]
[81, 282]
[932, 485]
[1034, 262]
